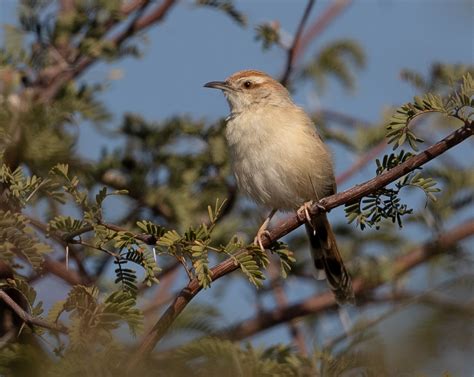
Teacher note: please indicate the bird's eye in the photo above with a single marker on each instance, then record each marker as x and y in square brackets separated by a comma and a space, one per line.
[247, 84]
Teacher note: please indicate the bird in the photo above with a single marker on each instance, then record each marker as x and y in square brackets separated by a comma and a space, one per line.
[280, 161]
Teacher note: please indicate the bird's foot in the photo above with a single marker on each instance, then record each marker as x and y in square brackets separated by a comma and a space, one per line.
[258, 238]
[303, 212]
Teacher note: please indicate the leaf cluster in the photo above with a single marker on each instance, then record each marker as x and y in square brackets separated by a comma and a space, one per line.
[93, 319]
[227, 7]
[458, 104]
[336, 59]
[268, 33]
[386, 203]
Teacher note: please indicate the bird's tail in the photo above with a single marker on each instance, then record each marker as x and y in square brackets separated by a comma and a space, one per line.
[327, 259]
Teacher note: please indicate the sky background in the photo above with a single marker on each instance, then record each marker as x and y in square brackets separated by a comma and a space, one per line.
[196, 45]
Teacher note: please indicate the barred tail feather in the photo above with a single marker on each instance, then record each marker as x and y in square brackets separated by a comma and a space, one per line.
[328, 261]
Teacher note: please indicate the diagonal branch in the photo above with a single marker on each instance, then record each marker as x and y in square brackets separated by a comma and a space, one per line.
[362, 285]
[46, 94]
[293, 222]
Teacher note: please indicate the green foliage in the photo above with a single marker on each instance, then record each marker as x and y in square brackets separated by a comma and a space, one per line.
[196, 319]
[28, 293]
[268, 33]
[19, 189]
[126, 276]
[65, 224]
[458, 104]
[92, 319]
[385, 203]
[250, 260]
[152, 229]
[213, 357]
[440, 77]
[18, 239]
[335, 59]
[163, 176]
[227, 7]
[286, 257]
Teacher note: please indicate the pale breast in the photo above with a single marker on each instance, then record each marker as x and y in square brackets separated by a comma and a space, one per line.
[278, 162]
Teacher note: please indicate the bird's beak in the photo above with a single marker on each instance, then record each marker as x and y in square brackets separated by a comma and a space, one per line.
[222, 85]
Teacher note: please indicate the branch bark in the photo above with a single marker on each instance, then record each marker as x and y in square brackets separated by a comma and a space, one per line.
[293, 222]
[325, 301]
[295, 45]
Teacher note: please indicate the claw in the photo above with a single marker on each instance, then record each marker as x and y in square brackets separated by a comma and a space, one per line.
[263, 231]
[305, 210]
[258, 238]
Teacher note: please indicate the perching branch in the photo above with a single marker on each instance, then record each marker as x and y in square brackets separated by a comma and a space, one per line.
[293, 222]
[322, 302]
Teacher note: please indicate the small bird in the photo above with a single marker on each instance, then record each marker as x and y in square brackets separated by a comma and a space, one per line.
[280, 161]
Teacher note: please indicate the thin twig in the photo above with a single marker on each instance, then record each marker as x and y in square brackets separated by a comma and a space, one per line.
[295, 45]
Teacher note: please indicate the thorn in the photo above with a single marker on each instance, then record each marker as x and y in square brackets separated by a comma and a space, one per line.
[67, 257]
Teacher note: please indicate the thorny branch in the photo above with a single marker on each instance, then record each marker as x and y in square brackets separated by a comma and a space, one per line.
[286, 226]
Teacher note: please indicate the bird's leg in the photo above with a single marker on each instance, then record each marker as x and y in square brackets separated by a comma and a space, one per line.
[263, 230]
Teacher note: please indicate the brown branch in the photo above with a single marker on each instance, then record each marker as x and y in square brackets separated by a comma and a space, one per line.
[27, 317]
[429, 298]
[131, 6]
[59, 269]
[291, 57]
[145, 21]
[59, 79]
[286, 226]
[325, 301]
[163, 294]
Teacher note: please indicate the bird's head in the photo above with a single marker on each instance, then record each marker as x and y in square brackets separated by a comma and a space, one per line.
[244, 89]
